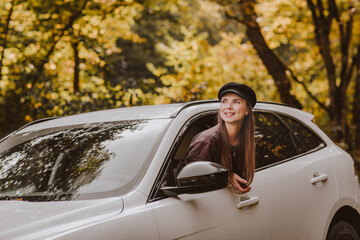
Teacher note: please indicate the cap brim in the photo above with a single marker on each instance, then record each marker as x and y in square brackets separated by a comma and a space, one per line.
[240, 94]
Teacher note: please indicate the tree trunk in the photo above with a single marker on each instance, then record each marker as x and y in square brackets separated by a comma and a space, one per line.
[337, 90]
[35, 76]
[75, 46]
[356, 104]
[275, 67]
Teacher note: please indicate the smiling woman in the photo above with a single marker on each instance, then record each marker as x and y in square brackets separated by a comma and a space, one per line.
[231, 142]
[233, 110]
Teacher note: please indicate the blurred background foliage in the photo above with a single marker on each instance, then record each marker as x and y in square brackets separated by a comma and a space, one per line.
[64, 57]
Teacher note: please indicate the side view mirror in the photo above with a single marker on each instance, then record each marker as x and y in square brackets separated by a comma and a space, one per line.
[198, 177]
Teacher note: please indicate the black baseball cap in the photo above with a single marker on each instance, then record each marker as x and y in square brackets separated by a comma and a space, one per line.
[239, 89]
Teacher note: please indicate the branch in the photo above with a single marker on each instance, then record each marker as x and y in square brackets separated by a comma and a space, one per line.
[346, 71]
[322, 32]
[76, 80]
[322, 105]
[321, 9]
[333, 11]
[236, 18]
[55, 40]
[316, 21]
[347, 77]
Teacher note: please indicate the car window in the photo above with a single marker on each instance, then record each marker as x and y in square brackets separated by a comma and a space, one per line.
[76, 162]
[197, 126]
[308, 139]
[178, 154]
[274, 142]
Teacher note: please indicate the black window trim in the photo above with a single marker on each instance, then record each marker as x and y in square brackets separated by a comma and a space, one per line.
[292, 133]
[303, 123]
[278, 116]
[292, 158]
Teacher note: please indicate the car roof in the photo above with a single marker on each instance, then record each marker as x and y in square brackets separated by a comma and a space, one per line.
[161, 111]
[111, 115]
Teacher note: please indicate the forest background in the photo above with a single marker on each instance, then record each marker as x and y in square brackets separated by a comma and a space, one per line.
[63, 57]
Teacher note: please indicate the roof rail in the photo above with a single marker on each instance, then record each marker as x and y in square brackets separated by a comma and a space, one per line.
[189, 104]
[278, 103]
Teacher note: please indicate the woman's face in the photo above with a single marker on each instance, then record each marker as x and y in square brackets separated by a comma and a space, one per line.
[233, 108]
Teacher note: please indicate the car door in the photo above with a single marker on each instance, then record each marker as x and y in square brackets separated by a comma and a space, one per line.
[219, 214]
[293, 164]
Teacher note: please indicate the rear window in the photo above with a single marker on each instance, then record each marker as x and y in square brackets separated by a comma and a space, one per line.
[273, 140]
[79, 162]
[308, 139]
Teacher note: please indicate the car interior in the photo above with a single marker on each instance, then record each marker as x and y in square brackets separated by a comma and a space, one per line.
[180, 150]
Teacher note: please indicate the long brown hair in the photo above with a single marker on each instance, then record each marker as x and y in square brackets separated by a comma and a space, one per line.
[245, 150]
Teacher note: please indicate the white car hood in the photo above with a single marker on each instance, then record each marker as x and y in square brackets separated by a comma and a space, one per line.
[39, 220]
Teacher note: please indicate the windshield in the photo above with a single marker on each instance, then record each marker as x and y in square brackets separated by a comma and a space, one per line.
[77, 162]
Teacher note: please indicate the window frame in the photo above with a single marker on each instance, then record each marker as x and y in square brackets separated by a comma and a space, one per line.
[278, 115]
[154, 193]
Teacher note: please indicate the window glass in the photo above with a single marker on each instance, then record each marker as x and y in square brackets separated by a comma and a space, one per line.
[273, 141]
[308, 139]
[78, 162]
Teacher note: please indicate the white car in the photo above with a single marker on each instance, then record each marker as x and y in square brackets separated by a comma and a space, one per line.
[112, 175]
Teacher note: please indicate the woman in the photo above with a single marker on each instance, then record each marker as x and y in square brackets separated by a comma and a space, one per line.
[231, 142]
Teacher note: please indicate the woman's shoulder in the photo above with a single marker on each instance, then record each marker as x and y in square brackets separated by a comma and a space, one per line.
[212, 133]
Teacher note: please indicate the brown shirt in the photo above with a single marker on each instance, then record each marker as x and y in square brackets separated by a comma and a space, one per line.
[205, 146]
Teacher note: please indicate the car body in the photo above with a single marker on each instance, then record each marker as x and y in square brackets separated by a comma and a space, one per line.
[113, 175]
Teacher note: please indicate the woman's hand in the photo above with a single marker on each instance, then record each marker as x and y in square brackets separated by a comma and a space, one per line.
[240, 185]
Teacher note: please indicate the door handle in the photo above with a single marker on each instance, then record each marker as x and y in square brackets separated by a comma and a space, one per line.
[318, 178]
[246, 202]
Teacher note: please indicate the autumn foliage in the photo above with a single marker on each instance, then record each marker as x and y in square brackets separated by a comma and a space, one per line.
[69, 56]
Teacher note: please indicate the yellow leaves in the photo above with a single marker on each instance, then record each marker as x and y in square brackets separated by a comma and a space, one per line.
[11, 56]
[85, 99]
[5, 71]
[37, 105]
[201, 69]
[50, 65]
[31, 49]
[156, 71]
[28, 118]
[53, 95]
[8, 6]
[76, 26]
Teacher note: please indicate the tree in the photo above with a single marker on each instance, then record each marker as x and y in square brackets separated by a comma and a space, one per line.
[198, 58]
[27, 68]
[339, 80]
[64, 57]
[356, 104]
[333, 42]
[244, 12]
[52, 54]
